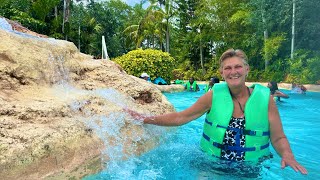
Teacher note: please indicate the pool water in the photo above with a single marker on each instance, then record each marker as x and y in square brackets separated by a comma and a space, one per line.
[178, 155]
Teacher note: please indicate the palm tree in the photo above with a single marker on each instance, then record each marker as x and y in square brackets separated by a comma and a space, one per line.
[167, 13]
[149, 29]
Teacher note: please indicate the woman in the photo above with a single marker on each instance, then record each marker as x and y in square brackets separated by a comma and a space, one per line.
[240, 120]
[273, 86]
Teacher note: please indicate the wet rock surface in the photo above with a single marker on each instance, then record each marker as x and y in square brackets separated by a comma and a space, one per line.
[56, 101]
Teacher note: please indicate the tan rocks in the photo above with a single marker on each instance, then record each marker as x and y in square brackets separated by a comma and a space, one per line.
[60, 110]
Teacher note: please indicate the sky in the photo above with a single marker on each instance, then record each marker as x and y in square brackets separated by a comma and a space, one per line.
[131, 2]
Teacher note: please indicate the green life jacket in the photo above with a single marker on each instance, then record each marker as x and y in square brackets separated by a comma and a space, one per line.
[256, 125]
[207, 88]
[178, 81]
[194, 86]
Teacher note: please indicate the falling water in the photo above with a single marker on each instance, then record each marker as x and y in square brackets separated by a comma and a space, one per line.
[60, 72]
[107, 124]
[5, 25]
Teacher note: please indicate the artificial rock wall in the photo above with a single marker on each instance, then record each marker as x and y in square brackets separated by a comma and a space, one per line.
[61, 110]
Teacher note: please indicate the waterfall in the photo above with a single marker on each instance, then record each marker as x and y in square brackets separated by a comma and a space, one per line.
[5, 25]
[60, 72]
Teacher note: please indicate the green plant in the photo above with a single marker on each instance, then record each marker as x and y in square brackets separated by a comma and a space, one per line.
[304, 67]
[154, 62]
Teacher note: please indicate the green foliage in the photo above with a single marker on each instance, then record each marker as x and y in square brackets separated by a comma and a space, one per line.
[272, 46]
[177, 74]
[154, 62]
[304, 68]
[18, 10]
[9, 8]
[262, 28]
[27, 21]
[307, 24]
[150, 29]
[42, 8]
[240, 16]
[277, 76]
[185, 71]
[254, 75]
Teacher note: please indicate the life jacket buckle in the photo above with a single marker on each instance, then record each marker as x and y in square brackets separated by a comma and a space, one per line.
[248, 132]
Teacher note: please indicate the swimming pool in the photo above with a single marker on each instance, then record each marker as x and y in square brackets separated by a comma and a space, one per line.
[178, 155]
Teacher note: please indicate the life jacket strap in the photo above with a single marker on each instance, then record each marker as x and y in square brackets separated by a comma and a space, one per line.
[235, 148]
[247, 132]
[239, 148]
[208, 122]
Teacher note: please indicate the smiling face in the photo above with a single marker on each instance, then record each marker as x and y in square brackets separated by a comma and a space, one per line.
[234, 70]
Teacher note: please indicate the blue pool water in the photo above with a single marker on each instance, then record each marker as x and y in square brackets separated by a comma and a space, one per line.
[178, 155]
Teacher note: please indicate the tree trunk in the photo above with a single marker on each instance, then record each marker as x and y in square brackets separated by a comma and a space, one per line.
[293, 27]
[79, 34]
[167, 37]
[56, 12]
[265, 37]
[201, 59]
[66, 15]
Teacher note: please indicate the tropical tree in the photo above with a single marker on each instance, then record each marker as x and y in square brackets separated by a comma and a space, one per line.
[20, 11]
[149, 29]
[168, 12]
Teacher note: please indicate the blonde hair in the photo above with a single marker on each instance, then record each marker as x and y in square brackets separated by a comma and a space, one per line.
[233, 53]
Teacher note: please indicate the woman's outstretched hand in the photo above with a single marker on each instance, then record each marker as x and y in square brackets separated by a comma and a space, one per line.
[290, 161]
[134, 114]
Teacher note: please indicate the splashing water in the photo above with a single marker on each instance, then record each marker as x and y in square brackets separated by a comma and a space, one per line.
[108, 126]
[113, 96]
[178, 155]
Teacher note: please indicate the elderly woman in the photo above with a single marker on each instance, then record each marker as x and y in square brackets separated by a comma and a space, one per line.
[240, 120]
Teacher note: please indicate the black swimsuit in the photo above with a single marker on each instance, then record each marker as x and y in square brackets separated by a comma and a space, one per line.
[230, 137]
[230, 140]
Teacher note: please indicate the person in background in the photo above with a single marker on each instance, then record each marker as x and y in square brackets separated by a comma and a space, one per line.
[178, 81]
[160, 81]
[274, 90]
[300, 89]
[304, 89]
[192, 85]
[240, 122]
[145, 76]
[212, 81]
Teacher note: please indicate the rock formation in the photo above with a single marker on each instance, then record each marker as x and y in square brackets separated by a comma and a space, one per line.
[61, 112]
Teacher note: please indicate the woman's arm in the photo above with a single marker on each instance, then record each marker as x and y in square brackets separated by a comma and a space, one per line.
[279, 140]
[198, 88]
[202, 105]
[280, 94]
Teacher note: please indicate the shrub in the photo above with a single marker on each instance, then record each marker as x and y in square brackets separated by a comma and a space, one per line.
[304, 68]
[154, 62]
